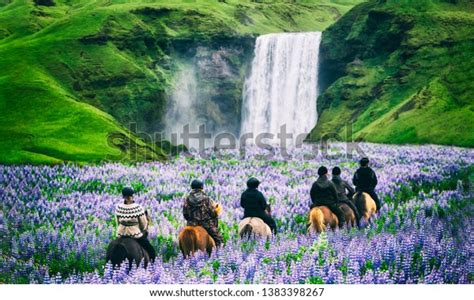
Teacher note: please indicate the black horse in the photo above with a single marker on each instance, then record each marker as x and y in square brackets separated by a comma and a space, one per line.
[126, 248]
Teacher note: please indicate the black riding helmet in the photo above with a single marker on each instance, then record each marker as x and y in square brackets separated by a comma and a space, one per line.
[322, 171]
[197, 184]
[253, 183]
[364, 161]
[127, 192]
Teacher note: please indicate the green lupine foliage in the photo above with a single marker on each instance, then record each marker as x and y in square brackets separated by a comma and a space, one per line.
[166, 247]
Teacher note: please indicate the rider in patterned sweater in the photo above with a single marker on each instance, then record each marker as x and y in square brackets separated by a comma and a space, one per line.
[132, 222]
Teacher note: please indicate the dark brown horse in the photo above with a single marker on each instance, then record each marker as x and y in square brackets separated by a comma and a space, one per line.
[349, 215]
[126, 248]
[194, 238]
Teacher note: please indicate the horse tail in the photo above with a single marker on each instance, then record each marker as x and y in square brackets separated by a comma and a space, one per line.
[316, 220]
[360, 203]
[188, 241]
[117, 254]
[211, 244]
[247, 231]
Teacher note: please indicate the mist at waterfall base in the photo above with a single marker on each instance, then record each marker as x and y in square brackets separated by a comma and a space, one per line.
[183, 108]
[278, 98]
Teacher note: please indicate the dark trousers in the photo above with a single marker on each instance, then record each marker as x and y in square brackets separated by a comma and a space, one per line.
[373, 195]
[335, 209]
[213, 230]
[354, 208]
[145, 243]
[376, 199]
[270, 222]
[265, 218]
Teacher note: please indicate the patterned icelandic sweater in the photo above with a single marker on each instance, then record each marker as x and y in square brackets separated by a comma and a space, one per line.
[131, 219]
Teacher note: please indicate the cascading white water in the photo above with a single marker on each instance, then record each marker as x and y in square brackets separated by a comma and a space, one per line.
[282, 87]
[183, 108]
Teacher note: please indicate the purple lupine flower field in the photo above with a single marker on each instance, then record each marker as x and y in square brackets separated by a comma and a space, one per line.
[56, 221]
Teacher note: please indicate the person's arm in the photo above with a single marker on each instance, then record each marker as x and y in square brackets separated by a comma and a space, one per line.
[312, 193]
[374, 179]
[334, 192]
[349, 188]
[148, 217]
[243, 203]
[211, 208]
[355, 179]
[186, 213]
[263, 201]
[143, 222]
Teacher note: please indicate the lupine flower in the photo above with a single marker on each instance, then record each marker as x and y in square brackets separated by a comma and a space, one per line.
[56, 221]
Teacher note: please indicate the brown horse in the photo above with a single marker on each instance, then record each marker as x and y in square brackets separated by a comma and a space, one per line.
[321, 216]
[194, 238]
[365, 205]
[349, 215]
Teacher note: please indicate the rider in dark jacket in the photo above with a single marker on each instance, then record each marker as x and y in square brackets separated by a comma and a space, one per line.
[255, 205]
[344, 192]
[323, 192]
[200, 210]
[365, 180]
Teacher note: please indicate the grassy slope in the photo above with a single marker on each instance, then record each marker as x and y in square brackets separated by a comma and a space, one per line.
[72, 73]
[405, 73]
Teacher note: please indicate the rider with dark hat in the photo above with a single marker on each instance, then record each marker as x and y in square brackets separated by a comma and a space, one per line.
[133, 221]
[323, 192]
[365, 180]
[200, 210]
[255, 205]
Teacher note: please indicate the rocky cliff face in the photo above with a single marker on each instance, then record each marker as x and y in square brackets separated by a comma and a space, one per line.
[139, 96]
[220, 74]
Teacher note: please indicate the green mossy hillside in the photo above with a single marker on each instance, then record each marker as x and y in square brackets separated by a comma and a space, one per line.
[75, 73]
[399, 72]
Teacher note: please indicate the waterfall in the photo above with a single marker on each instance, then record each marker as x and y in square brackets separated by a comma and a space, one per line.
[183, 107]
[282, 86]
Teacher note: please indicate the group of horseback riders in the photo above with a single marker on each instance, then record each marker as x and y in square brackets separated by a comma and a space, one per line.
[200, 210]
